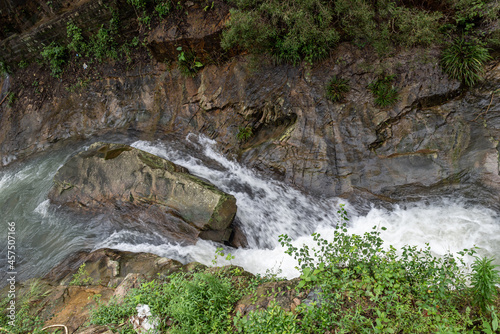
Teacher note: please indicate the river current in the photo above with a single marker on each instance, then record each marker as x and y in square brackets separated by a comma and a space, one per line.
[267, 208]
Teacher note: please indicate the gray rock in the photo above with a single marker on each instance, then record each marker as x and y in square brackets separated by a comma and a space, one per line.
[143, 187]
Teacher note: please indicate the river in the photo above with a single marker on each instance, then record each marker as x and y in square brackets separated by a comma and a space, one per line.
[44, 235]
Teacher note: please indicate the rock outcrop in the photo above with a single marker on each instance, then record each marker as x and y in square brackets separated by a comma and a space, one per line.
[136, 185]
[439, 135]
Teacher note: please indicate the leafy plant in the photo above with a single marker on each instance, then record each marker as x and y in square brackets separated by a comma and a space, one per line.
[103, 45]
[23, 64]
[163, 8]
[11, 98]
[290, 30]
[244, 133]
[219, 252]
[56, 56]
[359, 284]
[484, 276]
[188, 63]
[198, 303]
[81, 277]
[26, 315]
[383, 90]
[464, 59]
[201, 305]
[337, 88]
[273, 319]
[74, 33]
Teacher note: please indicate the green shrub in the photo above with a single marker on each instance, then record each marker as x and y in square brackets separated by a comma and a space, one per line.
[359, 284]
[74, 33]
[290, 30]
[102, 45]
[163, 8]
[244, 133]
[383, 91]
[337, 88]
[81, 277]
[201, 305]
[464, 59]
[483, 280]
[26, 316]
[56, 56]
[188, 63]
[272, 319]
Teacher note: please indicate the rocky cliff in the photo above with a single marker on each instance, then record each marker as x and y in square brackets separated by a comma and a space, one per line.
[438, 133]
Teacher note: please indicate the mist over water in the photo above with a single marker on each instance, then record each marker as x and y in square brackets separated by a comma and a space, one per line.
[266, 209]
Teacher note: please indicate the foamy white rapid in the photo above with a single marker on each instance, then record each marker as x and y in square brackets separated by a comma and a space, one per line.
[268, 208]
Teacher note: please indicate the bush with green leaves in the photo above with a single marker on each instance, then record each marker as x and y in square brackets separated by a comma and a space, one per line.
[337, 88]
[74, 33]
[27, 319]
[464, 60]
[197, 303]
[188, 63]
[244, 133]
[290, 30]
[56, 56]
[362, 285]
[272, 319]
[484, 277]
[383, 90]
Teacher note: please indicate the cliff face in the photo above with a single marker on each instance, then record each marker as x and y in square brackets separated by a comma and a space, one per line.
[436, 135]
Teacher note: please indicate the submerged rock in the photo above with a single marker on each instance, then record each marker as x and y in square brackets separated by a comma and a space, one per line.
[137, 189]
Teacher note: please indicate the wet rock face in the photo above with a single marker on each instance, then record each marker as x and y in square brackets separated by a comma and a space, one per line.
[138, 186]
[437, 134]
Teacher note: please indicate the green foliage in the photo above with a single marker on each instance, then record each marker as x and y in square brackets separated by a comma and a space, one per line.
[200, 303]
[4, 68]
[483, 279]
[337, 88]
[11, 98]
[464, 59]
[26, 317]
[219, 253]
[163, 8]
[360, 284]
[290, 30]
[56, 56]
[74, 33]
[81, 277]
[102, 45]
[23, 64]
[244, 133]
[273, 319]
[383, 91]
[188, 63]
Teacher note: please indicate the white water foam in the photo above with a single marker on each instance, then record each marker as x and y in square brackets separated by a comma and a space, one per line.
[268, 208]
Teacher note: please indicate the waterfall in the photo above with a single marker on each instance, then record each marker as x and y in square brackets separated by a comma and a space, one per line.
[266, 209]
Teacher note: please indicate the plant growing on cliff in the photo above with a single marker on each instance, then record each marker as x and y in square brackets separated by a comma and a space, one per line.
[291, 30]
[337, 88]
[81, 277]
[383, 90]
[464, 60]
[56, 56]
[188, 63]
[74, 33]
[244, 133]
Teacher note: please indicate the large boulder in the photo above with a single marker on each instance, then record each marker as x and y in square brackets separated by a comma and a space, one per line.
[117, 178]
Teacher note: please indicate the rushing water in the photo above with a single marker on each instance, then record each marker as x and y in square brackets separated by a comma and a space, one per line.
[266, 209]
